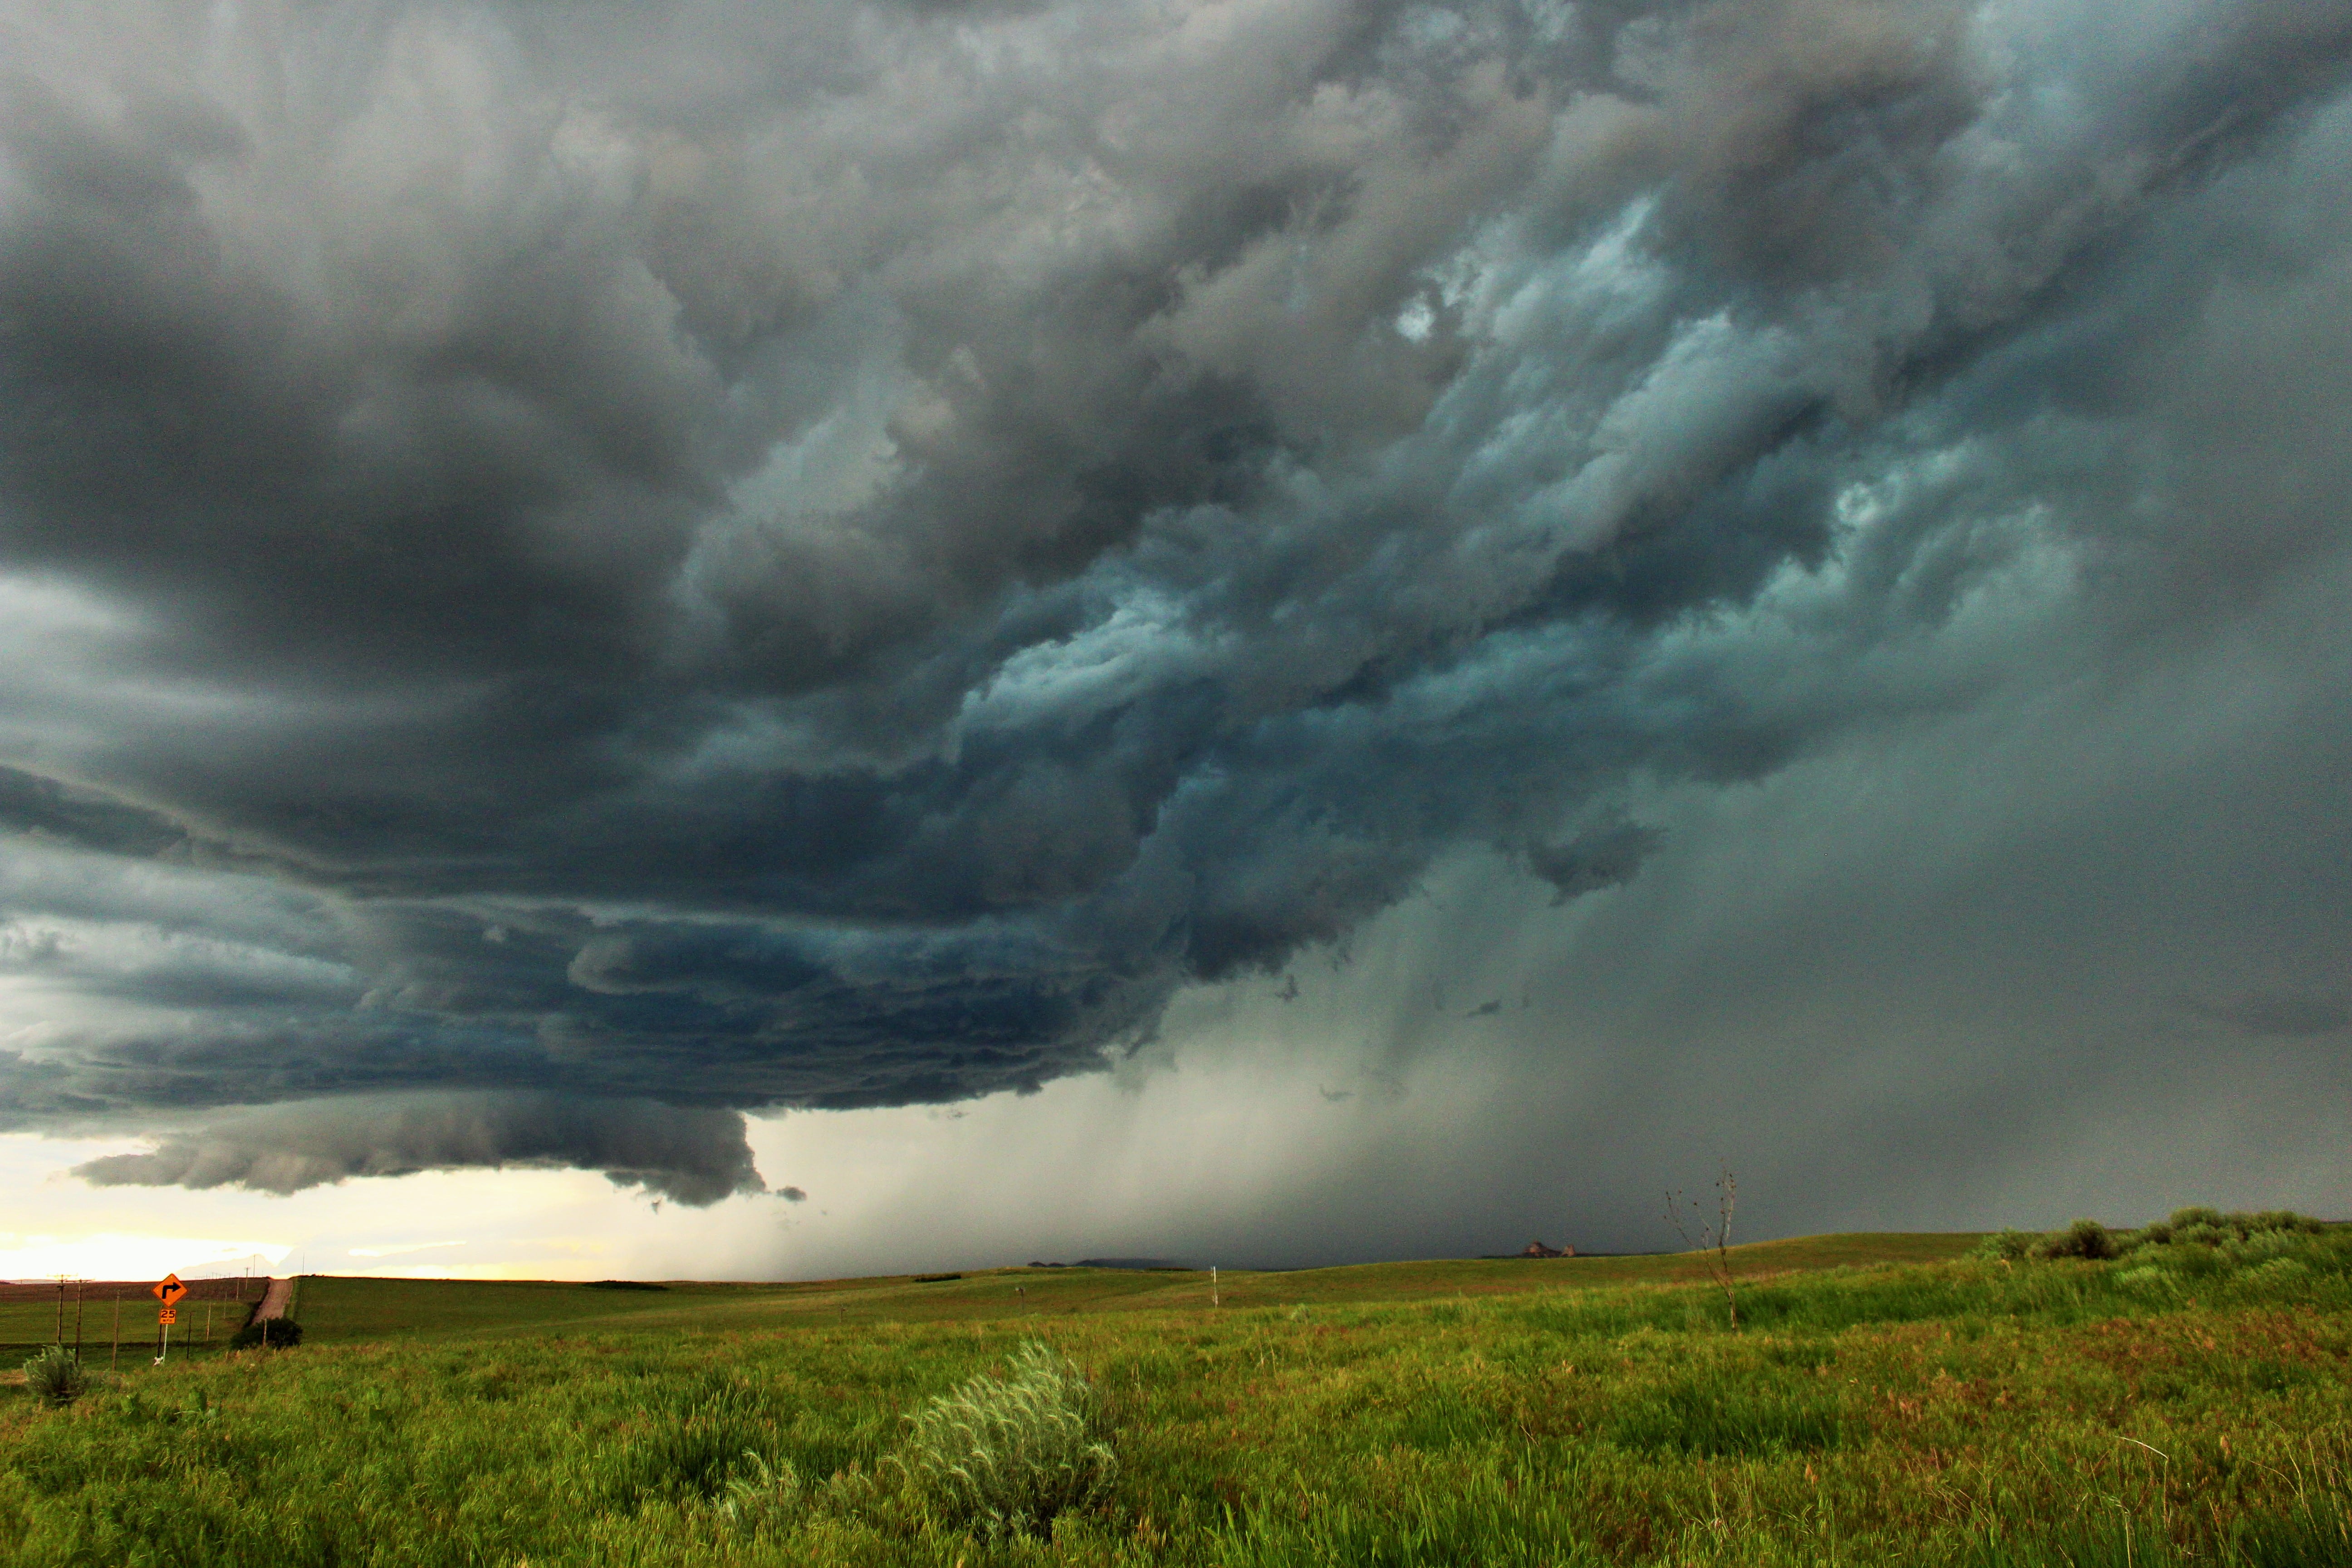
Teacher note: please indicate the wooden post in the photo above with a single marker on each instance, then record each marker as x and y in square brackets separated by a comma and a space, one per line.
[78, 1285]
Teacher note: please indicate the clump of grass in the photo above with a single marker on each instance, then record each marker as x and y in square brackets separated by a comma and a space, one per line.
[54, 1377]
[1005, 1457]
[697, 1444]
[759, 1494]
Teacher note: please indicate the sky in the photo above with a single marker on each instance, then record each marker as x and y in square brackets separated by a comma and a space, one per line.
[747, 641]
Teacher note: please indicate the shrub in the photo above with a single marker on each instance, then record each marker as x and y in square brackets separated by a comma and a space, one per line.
[54, 1377]
[2261, 1246]
[1004, 1458]
[2084, 1238]
[2010, 1245]
[277, 1333]
[2282, 1220]
[2271, 1230]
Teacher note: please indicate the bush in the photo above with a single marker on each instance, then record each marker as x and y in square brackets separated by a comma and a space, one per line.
[2009, 1245]
[2084, 1238]
[277, 1333]
[1004, 1457]
[2190, 1219]
[56, 1378]
[2262, 1245]
[2274, 1228]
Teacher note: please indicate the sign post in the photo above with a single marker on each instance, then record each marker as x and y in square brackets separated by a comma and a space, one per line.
[171, 1292]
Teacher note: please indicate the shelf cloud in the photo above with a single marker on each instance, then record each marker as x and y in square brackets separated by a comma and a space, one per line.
[565, 578]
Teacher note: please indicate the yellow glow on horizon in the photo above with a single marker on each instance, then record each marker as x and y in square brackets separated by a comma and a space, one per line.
[118, 1255]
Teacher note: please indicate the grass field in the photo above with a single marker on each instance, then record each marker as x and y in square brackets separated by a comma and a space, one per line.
[343, 1309]
[1885, 1400]
[96, 1310]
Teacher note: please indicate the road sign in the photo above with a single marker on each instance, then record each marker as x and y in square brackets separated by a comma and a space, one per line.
[167, 1316]
[169, 1290]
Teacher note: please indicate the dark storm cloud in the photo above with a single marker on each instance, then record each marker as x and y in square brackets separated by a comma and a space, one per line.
[694, 1156]
[2292, 1015]
[1602, 857]
[732, 556]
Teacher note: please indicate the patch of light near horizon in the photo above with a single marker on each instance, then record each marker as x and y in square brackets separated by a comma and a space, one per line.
[112, 1255]
[513, 1224]
[403, 1248]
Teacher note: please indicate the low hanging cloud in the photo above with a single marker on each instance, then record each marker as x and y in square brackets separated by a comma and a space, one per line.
[717, 557]
[2281, 1016]
[1601, 858]
[693, 1156]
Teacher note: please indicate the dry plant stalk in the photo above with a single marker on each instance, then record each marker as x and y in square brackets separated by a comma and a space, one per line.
[1712, 1240]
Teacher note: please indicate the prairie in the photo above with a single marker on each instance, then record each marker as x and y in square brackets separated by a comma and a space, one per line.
[95, 1311]
[1885, 1399]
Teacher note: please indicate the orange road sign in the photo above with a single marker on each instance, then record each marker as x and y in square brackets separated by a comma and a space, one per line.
[169, 1290]
[168, 1315]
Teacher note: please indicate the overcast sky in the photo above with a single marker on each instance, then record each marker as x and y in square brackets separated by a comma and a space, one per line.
[749, 639]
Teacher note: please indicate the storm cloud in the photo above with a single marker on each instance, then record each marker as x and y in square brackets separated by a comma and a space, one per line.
[695, 1156]
[623, 567]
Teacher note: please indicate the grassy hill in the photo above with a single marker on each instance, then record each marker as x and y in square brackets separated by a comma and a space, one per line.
[346, 1309]
[1885, 1400]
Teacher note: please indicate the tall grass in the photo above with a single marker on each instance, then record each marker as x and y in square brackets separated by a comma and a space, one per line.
[2035, 1413]
[1005, 1457]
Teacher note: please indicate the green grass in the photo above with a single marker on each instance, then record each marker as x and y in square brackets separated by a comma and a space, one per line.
[1929, 1410]
[344, 1309]
[26, 1325]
